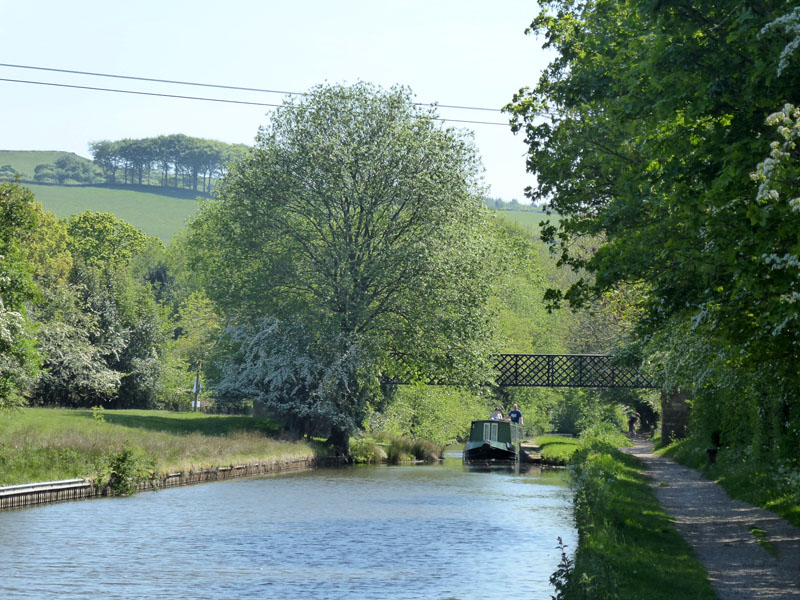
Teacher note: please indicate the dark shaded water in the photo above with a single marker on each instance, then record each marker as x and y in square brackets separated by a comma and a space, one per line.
[428, 532]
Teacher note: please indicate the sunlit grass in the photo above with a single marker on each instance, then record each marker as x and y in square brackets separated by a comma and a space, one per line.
[51, 444]
[557, 449]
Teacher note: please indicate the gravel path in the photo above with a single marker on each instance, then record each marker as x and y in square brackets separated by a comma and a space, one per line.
[719, 530]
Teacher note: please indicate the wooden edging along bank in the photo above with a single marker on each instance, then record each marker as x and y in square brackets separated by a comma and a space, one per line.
[48, 492]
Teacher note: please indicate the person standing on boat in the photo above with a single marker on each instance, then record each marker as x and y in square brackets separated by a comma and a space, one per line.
[497, 415]
[516, 416]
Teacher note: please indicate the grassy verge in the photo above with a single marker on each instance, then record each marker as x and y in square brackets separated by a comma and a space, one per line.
[51, 444]
[771, 485]
[557, 449]
[628, 547]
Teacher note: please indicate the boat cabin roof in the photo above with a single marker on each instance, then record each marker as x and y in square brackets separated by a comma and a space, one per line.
[498, 431]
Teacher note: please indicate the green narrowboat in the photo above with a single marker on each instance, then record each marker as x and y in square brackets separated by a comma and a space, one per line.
[493, 441]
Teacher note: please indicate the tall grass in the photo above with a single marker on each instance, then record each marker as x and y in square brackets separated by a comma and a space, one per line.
[392, 449]
[52, 444]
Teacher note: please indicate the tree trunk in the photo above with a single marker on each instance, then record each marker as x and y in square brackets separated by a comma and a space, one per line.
[340, 442]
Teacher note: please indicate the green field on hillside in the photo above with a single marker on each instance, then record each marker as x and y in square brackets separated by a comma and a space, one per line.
[527, 219]
[159, 212]
[25, 161]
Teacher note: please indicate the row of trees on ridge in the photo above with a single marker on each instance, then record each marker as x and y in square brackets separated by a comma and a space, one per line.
[167, 160]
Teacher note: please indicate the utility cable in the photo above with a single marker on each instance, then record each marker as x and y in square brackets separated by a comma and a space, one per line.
[214, 85]
[202, 98]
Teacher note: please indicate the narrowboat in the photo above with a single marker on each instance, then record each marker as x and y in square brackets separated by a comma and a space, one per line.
[493, 441]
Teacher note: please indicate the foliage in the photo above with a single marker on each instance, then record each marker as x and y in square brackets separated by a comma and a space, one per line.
[365, 450]
[355, 222]
[303, 381]
[25, 161]
[441, 415]
[124, 470]
[185, 158]
[102, 240]
[19, 218]
[100, 331]
[199, 328]
[18, 357]
[76, 346]
[49, 255]
[97, 414]
[671, 181]
[68, 168]
[8, 173]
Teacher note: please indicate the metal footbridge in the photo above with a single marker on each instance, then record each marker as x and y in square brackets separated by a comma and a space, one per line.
[556, 370]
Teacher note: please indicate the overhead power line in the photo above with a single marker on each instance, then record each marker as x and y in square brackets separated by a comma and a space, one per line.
[203, 98]
[218, 86]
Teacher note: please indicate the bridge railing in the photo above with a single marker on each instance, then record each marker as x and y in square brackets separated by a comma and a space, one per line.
[557, 370]
[565, 370]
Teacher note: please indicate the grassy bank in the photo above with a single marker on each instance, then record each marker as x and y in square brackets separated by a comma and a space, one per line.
[773, 485]
[557, 449]
[628, 547]
[51, 444]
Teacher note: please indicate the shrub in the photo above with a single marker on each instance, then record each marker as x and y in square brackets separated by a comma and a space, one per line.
[124, 470]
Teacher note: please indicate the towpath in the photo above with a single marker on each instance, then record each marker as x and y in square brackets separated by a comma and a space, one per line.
[720, 531]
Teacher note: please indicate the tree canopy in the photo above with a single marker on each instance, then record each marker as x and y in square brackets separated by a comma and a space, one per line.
[643, 134]
[180, 158]
[357, 223]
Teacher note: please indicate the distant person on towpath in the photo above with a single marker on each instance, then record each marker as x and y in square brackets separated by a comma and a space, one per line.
[632, 418]
[516, 416]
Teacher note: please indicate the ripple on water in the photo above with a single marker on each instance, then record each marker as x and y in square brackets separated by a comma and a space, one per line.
[438, 532]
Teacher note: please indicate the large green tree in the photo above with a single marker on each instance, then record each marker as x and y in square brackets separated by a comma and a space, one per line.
[643, 133]
[355, 223]
[100, 330]
[19, 219]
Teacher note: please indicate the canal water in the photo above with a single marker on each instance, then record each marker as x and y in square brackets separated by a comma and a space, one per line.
[404, 532]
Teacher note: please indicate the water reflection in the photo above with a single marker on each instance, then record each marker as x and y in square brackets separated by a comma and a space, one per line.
[438, 532]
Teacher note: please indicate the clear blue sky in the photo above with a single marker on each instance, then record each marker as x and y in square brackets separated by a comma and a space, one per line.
[465, 52]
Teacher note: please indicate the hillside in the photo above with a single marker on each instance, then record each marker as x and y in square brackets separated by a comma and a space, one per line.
[25, 161]
[159, 212]
[528, 220]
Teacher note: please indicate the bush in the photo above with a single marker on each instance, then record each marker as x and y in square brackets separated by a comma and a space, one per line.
[124, 470]
[364, 450]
